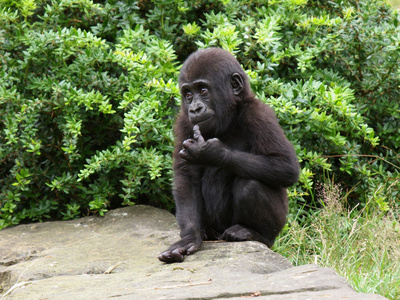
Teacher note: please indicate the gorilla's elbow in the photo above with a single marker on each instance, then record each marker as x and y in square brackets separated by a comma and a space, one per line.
[292, 175]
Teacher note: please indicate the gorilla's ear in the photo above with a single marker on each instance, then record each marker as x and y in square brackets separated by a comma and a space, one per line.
[236, 83]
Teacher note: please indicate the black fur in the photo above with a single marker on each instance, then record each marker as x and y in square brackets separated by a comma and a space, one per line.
[232, 161]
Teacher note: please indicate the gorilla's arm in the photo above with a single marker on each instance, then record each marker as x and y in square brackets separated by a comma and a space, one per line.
[276, 169]
[273, 170]
[187, 195]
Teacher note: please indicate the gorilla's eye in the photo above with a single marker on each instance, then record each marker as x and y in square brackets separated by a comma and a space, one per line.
[189, 96]
[203, 91]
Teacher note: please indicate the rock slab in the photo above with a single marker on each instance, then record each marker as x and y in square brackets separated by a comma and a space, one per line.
[115, 257]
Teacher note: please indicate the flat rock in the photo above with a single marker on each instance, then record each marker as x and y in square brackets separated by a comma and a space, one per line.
[115, 257]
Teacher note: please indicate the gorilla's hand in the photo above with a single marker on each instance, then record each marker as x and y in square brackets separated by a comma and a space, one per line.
[177, 252]
[199, 151]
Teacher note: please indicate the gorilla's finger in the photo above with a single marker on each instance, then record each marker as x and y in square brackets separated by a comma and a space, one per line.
[197, 134]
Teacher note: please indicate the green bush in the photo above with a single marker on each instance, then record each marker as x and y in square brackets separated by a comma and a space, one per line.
[88, 95]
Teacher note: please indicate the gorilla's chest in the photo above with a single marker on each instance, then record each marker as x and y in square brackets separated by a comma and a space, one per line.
[216, 181]
[216, 188]
[217, 194]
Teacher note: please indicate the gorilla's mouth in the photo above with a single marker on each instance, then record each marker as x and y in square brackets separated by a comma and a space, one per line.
[200, 119]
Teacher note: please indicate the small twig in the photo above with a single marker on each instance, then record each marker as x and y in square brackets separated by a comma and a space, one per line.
[181, 286]
[359, 155]
[162, 288]
[112, 268]
[15, 286]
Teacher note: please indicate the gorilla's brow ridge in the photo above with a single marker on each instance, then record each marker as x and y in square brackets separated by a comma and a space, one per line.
[196, 83]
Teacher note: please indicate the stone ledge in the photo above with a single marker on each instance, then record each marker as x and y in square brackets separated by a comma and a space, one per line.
[115, 257]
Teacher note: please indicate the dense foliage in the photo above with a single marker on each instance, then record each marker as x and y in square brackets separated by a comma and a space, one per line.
[88, 95]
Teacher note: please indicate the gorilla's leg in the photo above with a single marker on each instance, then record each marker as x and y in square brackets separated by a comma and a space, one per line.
[259, 212]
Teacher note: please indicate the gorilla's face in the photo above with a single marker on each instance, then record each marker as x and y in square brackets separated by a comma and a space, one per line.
[209, 103]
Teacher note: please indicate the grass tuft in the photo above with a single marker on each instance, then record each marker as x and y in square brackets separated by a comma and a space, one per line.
[361, 245]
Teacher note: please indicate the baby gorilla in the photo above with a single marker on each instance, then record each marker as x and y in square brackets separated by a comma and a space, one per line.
[232, 161]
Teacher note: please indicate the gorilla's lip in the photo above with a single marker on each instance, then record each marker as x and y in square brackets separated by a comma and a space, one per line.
[200, 120]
